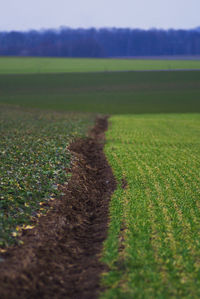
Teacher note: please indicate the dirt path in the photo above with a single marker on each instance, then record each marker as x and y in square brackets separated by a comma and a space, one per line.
[60, 256]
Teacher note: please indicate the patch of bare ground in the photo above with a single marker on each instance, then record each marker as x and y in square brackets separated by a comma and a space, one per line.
[60, 256]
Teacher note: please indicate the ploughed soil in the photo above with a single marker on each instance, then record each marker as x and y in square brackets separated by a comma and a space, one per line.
[60, 257]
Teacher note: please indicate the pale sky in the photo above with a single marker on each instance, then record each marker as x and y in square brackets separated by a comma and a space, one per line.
[144, 14]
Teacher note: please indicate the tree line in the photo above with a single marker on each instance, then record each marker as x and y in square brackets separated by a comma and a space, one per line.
[104, 42]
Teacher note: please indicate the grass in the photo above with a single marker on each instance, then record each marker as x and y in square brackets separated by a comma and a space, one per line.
[113, 93]
[34, 158]
[27, 65]
[152, 248]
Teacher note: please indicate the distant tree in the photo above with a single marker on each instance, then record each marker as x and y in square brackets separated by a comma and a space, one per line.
[104, 42]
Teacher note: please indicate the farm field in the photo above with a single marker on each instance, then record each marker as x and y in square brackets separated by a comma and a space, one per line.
[152, 248]
[108, 93]
[27, 65]
[152, 145]
[34, 159]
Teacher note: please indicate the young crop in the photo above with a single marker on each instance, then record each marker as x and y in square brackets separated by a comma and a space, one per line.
[152, 249]
[34, 158]
[35, 65]
[108, 93]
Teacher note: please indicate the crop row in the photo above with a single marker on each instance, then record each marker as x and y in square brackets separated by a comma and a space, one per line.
[153, 246]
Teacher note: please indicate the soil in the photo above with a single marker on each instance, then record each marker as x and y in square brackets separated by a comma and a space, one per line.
[124, 183]
[60, 257]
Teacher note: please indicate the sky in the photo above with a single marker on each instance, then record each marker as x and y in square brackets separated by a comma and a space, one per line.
[145, 14]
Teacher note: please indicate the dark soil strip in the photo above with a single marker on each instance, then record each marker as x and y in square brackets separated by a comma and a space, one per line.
[60, 256]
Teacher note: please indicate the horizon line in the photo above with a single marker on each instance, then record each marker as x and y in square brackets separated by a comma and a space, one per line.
[63, 27]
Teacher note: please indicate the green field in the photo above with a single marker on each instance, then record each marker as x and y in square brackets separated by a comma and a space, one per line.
[25, 65]
[113, 93]
[34, 159]
[153, 246]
